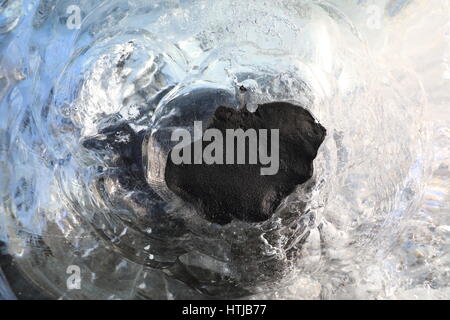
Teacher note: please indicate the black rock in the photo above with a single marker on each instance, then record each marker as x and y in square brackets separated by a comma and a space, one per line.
[221, 192]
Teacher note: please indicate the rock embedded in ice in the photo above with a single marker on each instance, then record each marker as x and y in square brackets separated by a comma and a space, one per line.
[222, 192]
[197, 102]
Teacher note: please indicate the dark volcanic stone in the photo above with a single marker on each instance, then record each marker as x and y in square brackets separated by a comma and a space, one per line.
[221, 192]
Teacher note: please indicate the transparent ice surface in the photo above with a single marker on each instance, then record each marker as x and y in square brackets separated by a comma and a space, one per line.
[374, 222]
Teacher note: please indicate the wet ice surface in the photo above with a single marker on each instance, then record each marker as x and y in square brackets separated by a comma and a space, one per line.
[373, 222]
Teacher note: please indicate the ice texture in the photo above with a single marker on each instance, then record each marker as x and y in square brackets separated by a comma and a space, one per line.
[373, 222]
